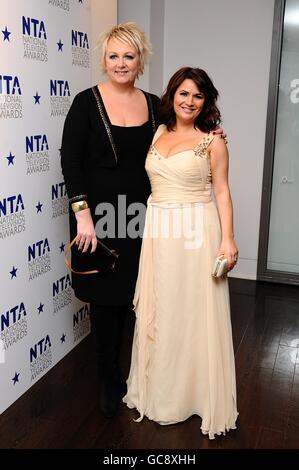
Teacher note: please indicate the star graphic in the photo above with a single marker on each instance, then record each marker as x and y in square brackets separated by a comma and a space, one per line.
[62, 246]
[37, 98]
[40, 308]
[13, 272]
[15, 378]
[39, 207]
[10, 159]
[62, 339]
[6, 34]
[60, 45]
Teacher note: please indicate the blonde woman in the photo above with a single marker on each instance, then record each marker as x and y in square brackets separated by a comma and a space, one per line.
[106, 137]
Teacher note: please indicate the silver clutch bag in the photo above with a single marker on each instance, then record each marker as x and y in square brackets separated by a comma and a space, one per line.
[220, 267]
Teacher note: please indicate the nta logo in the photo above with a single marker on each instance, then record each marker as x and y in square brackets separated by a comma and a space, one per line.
[9, 85]
[61, 284]
[37, 249]
[36, 143]
[80, 39]
[13, 325]
[62, 292]
[39, 348]
[11, 316]
[80, 49]
[40, 356]
[11, 205]
[59, 88]
[37, 153]
[33, 27]
[34, 39]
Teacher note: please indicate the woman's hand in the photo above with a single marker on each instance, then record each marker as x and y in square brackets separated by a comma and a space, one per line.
[229, 249]
[219, 131]
[86, 234]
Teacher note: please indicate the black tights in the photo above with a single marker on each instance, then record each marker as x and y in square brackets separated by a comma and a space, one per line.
[107, 324]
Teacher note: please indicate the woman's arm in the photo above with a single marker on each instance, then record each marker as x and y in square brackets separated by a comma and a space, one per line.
[73, 147]
[219, 167]
[86, 234]
[74, 144]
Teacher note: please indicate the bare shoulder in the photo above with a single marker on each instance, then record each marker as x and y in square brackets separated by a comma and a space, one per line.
[218, 144]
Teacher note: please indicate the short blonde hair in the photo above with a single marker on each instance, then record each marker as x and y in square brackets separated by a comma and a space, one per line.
[127, 32]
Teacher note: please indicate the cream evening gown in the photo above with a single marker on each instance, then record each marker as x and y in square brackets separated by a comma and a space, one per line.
[182, 358]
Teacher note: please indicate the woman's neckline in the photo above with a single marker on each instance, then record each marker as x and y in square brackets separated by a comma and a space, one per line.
[130, 127]
[201, 141]
[124, 127]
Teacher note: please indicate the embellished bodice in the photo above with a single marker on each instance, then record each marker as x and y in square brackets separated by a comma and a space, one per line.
[183, 177]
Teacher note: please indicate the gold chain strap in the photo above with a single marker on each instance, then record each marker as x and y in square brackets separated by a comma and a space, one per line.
[102, 114]
[106, 124]
[152, 113]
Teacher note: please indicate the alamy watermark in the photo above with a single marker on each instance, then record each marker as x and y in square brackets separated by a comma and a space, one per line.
[168, 221]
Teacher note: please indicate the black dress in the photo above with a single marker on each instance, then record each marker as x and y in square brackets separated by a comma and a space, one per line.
[110, 172]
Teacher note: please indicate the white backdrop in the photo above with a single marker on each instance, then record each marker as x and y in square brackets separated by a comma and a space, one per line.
[45, 54]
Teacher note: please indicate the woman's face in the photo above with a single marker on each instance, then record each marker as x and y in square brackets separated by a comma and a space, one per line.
[121, 61]
[188, 101]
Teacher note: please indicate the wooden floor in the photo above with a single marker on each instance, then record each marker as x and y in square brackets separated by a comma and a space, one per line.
[60, 411]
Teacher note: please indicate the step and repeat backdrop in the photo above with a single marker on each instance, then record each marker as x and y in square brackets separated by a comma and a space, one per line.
[44, 62]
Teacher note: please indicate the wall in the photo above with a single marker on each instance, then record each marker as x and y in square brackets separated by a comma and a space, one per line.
[231, 40]
[138, 11]
[103, 15]
[45, 61]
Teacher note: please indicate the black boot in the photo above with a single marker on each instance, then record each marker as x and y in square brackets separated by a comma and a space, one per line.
[107, 325]
[120, 380]
[109, 397]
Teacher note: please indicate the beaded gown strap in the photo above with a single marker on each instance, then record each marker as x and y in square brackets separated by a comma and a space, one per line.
[201, 149]
[158, 132]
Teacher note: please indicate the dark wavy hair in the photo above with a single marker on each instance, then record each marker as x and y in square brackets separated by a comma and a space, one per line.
[209, 117]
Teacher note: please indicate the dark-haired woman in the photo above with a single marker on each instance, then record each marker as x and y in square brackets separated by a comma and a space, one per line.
[182, 357]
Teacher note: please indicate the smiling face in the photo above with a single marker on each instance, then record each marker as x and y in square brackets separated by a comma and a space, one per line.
[121, 61]
[188, 101]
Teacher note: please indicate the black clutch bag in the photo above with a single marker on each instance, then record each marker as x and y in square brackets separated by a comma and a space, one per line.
[102, 260]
